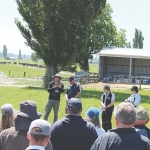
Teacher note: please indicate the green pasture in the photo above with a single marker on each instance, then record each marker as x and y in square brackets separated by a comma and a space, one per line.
[89, 97]
[17, 71]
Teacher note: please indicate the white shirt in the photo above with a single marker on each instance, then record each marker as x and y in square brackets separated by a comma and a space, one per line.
[99, 131]
[135, 99]
[35, 147]
[112, 98]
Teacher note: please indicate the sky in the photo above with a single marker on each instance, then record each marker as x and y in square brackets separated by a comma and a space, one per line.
[129, 14]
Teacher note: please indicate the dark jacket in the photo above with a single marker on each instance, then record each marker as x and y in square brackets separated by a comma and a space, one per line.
[73, 90]
[124, 139]
[54, 94]
[73, 133]
[108, 101]
[143, 130]
[14, 139]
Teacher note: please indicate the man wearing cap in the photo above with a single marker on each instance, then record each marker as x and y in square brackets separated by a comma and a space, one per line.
[73, 90]
[39, 135]
[54, 88]
[135, 98]
[15, 138]
[142, 118]
[72, 132]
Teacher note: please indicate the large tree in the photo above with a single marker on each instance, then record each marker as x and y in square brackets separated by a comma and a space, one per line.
[19, 55]
[102, 33]
[4, 51]
[138, 39]
[57, 30]
[121, 40]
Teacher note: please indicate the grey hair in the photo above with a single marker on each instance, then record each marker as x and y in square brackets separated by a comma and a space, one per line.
[125, 113]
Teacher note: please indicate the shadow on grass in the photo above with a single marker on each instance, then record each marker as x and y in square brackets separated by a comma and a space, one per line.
[119, 96]
[35, 88]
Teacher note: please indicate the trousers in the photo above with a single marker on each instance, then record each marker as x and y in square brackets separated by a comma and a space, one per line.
[52, 104]
[106, 120]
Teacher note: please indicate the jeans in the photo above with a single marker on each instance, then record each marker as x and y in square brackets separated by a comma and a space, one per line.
[106, 120]
[52, 104]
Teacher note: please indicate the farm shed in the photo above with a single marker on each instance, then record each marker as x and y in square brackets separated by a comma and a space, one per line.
[124, 62]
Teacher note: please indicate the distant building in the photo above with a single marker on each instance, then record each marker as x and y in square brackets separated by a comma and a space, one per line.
[10, 55]
[124, 62]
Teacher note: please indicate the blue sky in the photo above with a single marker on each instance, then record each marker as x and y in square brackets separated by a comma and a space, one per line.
[129, 14]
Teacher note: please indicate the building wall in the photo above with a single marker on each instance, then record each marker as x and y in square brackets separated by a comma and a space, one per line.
[110, 66]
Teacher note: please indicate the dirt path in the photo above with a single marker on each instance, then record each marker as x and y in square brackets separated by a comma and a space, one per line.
[114, 86]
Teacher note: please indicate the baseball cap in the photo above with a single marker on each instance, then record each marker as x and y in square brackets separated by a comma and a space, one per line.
[43, 125]
[74, 104]
[7, 109]
[93, 112]
[71, 78]
[142, 113]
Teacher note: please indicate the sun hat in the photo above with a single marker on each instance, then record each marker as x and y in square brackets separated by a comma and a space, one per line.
[28, 109]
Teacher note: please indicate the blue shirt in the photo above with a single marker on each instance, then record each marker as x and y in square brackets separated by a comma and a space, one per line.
[72, 90]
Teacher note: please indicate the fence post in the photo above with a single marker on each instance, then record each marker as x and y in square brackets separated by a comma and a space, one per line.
[24, 74]
[140, 84]
[9, 72]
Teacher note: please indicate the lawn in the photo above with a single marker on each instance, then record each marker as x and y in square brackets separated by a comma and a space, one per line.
[89, 97]
[16, 71]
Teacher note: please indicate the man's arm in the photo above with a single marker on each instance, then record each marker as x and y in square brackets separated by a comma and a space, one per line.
[66, 96]
[61, 87]
[50, 87]
[78, 92]
[78, 95]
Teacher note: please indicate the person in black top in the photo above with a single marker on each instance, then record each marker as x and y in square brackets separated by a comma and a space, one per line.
[54, 88]
[72, 132]
[108, 99]
[124, 137]
[73, 90]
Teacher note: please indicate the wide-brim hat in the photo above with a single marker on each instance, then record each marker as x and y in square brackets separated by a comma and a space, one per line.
[28, 110]
[57, 76]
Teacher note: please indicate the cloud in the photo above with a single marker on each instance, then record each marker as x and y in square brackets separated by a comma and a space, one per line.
[13, 40]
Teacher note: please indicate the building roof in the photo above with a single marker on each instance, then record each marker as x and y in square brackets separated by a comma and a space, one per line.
[126, 53]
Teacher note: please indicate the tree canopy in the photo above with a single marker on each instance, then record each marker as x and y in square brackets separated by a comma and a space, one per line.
[4, 51]
[102, 33]
[138, 39]
[57, 30]
[121, 40]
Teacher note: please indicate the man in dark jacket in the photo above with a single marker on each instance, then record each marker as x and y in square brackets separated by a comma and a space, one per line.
[54, 88]
[15, 138]
[72, 132]
[142, 118]
[124, 137]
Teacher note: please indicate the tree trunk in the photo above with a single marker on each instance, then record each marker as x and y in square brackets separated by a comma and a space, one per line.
[84, 65]
[49, 73]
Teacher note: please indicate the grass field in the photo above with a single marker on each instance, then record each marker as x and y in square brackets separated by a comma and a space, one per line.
[15, 71]
[89, 97]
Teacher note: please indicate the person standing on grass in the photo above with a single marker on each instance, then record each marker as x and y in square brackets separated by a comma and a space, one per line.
[73, 90]
[54, 88]
[124, 137]
[72, 132]
[135, 98]
[39, 135]
[108, 99]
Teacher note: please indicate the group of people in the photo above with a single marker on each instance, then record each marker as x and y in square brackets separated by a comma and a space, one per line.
[24, 130]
